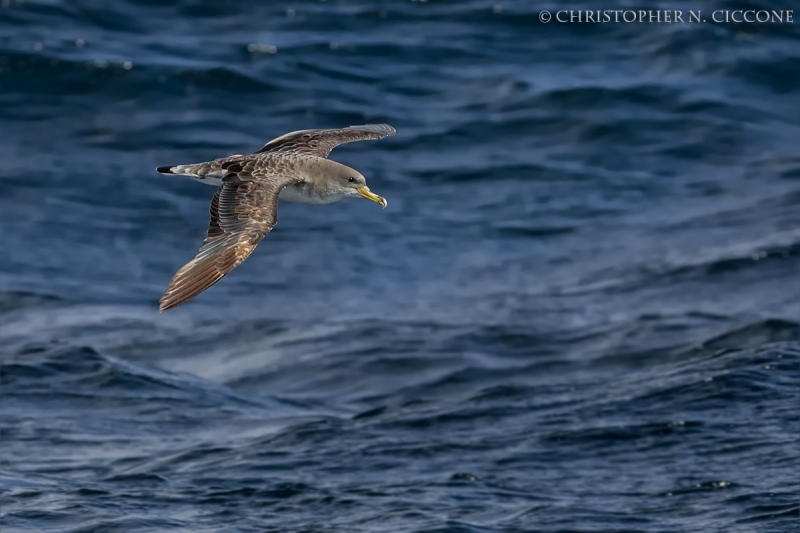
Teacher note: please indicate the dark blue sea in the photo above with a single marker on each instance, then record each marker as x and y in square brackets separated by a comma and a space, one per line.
[580, 311]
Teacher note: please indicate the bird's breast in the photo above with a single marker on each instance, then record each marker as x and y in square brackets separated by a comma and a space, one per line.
[301, 193]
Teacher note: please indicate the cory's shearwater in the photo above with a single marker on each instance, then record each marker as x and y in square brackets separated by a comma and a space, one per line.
[293, 167]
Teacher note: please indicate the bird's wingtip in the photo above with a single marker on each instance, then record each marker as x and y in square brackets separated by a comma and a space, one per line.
[164, 170]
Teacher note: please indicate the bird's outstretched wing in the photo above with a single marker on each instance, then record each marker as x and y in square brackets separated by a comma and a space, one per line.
[321, 142]
[244, 209]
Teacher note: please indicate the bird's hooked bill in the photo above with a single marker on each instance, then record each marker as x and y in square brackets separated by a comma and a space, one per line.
[369, 195]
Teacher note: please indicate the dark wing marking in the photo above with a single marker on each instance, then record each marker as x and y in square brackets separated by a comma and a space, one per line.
[242, 212]
[321, 142]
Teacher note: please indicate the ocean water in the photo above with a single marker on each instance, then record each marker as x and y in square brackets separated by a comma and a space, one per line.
[580, 311]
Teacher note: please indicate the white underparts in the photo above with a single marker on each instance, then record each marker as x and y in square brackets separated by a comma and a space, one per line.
[300, 194]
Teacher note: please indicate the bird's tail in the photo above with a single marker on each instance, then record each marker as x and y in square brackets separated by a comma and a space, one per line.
[198, 170]
[210, 172]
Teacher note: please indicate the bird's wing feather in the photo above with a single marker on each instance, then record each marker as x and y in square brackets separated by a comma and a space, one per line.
[321, 142]
[243, 211]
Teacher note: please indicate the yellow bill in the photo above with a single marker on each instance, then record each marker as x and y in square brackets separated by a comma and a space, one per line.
[369, 195]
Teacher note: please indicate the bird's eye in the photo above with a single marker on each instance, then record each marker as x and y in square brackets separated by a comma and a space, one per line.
[351, 180]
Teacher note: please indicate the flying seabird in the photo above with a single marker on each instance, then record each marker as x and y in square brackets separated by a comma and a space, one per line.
[293, 167]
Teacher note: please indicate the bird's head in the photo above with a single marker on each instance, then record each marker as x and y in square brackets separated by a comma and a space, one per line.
[355, 184]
